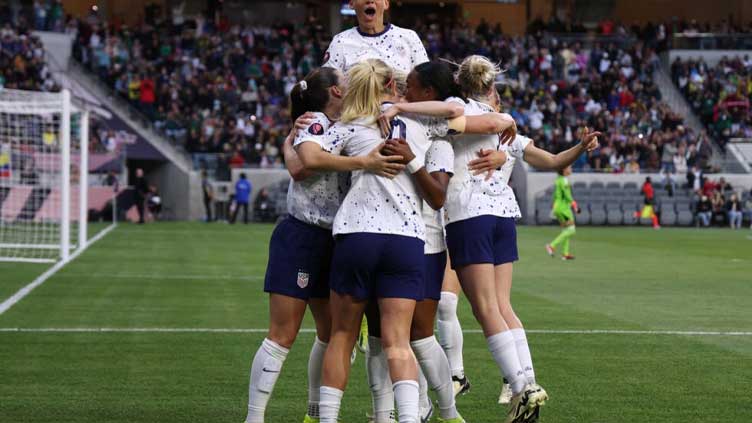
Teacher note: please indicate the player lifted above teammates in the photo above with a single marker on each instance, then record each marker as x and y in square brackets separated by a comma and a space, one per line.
[399, 48]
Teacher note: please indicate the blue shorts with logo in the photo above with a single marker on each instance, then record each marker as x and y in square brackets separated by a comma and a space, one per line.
[300, 256]
[368, 265]
[434, 275]
[482, 239]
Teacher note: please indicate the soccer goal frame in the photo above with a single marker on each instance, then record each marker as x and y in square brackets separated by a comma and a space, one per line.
[55, 244]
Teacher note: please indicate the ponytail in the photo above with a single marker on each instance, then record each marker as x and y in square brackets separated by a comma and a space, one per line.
[367, 84]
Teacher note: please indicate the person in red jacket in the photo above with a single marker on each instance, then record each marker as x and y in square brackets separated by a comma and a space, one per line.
[647, 210]
[148, 97]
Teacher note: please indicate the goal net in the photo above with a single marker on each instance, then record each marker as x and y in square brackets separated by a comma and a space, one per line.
[43, 176]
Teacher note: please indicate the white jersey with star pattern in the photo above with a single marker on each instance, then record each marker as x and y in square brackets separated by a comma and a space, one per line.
[316, 199]
[469, 195]
[375, 204]
[399, 48]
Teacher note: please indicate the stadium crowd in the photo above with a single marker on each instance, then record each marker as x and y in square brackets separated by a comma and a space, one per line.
[720, 94]
[22, 61]
[223, 89]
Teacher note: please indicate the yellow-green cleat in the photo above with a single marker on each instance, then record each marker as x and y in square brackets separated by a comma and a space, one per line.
[457, 419]
[309, 419]
[363, 336]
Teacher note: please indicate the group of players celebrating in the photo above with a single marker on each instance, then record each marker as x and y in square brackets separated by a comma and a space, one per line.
[395, 160]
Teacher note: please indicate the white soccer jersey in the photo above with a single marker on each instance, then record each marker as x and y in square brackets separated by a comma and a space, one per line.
[471, 196]
[439, 158]
[316, 199]
[375, 204]
[399, 48]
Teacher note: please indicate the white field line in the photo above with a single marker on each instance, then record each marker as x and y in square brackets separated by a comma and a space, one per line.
[165, 276]
[23, 292]
[311, 330]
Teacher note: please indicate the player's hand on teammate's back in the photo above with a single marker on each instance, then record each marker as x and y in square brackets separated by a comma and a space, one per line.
[385, 120]
[508, 135]
[488, 162]
[305, 120]
[399, 147]
[383, 163]
[589, 139]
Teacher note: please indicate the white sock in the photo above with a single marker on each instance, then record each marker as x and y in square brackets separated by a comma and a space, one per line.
[379, 382]
[450, 333]
[407, 396]
[329, 402]
[433, 362]
[423, 401]
[523, 351]
[315, 360]
[264, 373]
[504, 352]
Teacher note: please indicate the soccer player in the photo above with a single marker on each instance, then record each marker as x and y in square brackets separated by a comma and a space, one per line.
[373, 38]
[648, 211]
[481, 234]
[379, 243]
[563, 205]
[301, 246]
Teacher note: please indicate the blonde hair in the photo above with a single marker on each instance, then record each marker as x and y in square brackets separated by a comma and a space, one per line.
[400, 82]
[367, 84]
[477, 76]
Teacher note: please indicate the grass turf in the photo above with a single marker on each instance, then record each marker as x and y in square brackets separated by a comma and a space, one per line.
[210, 276]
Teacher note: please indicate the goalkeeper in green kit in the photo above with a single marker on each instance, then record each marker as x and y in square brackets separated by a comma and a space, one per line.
[563, 208]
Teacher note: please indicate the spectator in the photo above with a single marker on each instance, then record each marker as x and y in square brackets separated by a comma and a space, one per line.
[734, 210]
[262, 207]
[719, 204]
[141, 190]
[704, 211]
[242, 193]
[208, 195]
[748, 208]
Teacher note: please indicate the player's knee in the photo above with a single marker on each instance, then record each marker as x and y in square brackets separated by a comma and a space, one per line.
[397, 352]
[447, 306]
[283, 337]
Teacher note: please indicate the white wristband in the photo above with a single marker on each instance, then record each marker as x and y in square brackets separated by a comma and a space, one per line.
[414, 165]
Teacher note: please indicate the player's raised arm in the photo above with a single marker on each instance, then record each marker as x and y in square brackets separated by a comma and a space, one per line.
[542, 159]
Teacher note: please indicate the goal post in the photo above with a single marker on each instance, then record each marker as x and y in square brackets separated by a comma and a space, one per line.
[44, 176]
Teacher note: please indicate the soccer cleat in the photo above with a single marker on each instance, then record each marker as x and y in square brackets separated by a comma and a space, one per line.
[457, 419]
[550, 250]
[362, 343]
[505, 397]
[392, 418]
[567, 257]
[426, 413]
[533, 417]
[309, 419]
[461, 385]
[525, 403]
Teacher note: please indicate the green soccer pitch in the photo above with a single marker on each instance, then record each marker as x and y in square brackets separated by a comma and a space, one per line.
[645, 326]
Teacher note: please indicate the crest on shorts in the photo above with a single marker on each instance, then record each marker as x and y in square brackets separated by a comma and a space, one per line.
[303, 279]
[316, 129]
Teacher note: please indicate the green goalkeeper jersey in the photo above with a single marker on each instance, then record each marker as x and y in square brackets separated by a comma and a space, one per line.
[562, 194]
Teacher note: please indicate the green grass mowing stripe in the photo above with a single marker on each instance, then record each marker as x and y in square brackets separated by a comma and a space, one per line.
[194, 377]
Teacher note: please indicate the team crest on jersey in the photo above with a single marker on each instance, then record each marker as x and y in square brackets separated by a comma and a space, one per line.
[316, 129]
[303, 279]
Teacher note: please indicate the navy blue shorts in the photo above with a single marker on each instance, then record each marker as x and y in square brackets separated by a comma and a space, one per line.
[300, 257]
[434, 275]
[482, 239]
[368, 265]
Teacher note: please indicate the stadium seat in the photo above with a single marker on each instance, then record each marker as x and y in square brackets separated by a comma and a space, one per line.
[579, 185]
[630, 186]
[629, 208]
[614, 214]
[543, 207]
[583, 218]
[613, 186]
[668, 218]
[667, 204]
[685, 218]
[597, 185]
[683, 205]
[597, 213]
